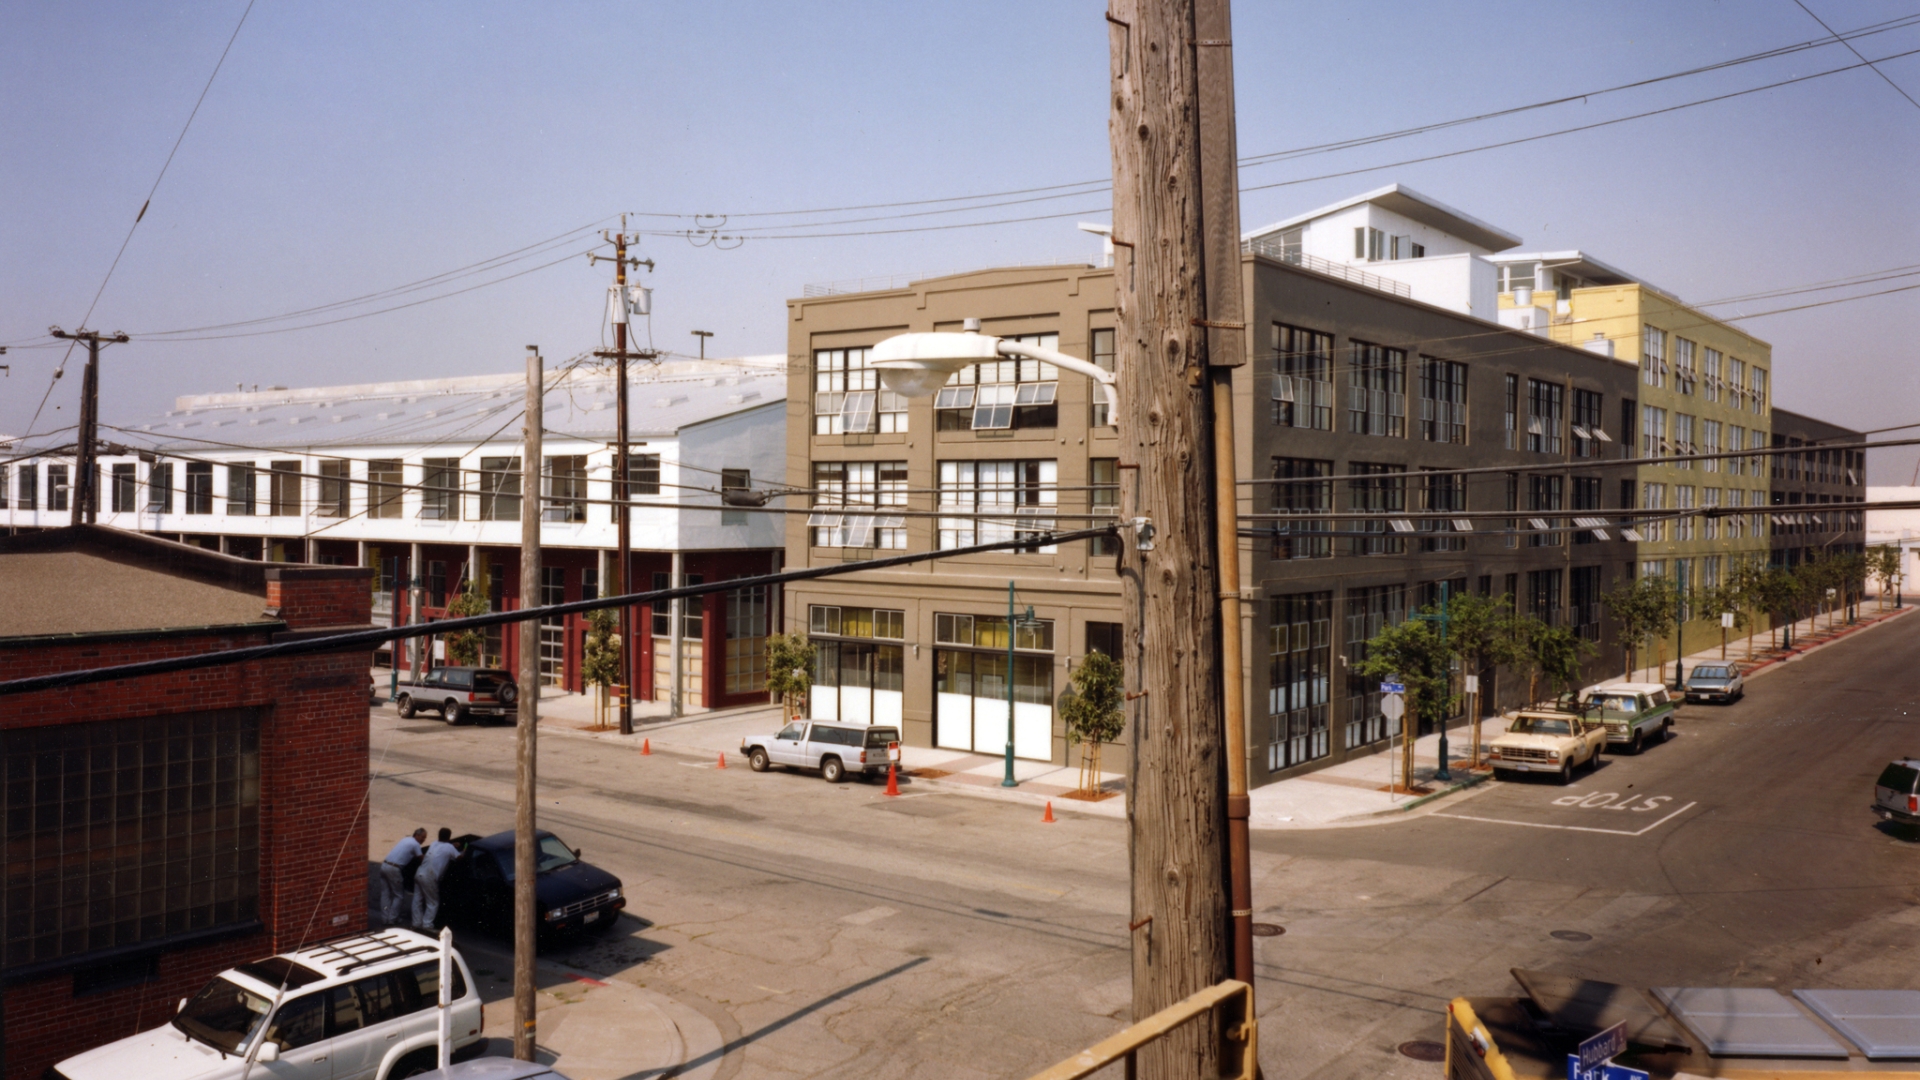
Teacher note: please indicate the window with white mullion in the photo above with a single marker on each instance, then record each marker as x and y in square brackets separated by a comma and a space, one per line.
[1002, 394]
[1001, 500]
[848, 500]
[848, 397]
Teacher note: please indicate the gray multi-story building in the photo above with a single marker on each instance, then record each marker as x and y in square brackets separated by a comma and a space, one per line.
[1355, 394]
[1816, 467]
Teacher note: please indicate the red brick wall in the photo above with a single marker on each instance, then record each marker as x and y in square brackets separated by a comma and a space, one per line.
[313, 769]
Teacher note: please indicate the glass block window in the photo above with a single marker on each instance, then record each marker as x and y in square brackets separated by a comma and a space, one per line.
[123, 832]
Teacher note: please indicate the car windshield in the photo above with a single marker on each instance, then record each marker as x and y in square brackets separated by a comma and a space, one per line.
[224, 1016]
[1615, 706]
[1534, 725]
[551, 854]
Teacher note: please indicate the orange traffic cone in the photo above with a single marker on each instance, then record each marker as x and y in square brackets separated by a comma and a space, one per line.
[1047, 818]
[893, 780]
[646, 747]
[723, 759]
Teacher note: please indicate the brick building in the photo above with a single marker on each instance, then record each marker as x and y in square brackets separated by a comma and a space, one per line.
[160, 829]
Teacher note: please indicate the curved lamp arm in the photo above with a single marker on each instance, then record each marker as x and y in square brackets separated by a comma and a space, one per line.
[1070, 363]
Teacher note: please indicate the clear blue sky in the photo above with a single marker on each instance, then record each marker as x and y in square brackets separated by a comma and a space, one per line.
[351, 147]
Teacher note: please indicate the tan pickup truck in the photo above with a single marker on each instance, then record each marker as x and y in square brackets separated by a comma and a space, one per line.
[1547, 741]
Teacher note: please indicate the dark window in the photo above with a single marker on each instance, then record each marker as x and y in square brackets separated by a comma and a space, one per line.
[565, 491]
[440, 489]
[692, 613]
[1305, 492]
[1103, 497]
[1443, 400]
[29, 490]
[334, 490]
[1512, 415]
[500, 489]
[124, 483]
[346, 1014]
[1584, 602]
[377, 999]
[1299, 678]
[1543, 595]
[436, 583]
[158, 814]
[1545, 494]
[1442, 493]
[1380, 488]
[418, 987]
[384, 488]
[1586, 496]
[240, 485]
[590, 583]
[160, 488]
[735, 480]
[1377, 391]
[643, 474]
[1629, 426]
[300, 1022]
[1302, 378]
[1105, 637]
[199, 487]
[58, 488]
[1586, 417]
[285, 489]
[1369, 611]
[1103, 356]
[1546, 416]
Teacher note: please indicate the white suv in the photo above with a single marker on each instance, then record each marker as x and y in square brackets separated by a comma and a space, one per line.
[357, 1008]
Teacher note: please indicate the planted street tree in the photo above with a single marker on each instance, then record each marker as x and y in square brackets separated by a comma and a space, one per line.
[790, 671]
[1480, 632]
[600, 666]
[1413, 654]
[1556, 652]
[1092, 712]
[1775, 592]
[1883, 562]
[463, 648]
[1644, 610]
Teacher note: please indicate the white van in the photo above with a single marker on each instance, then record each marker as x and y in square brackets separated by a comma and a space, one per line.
[363, 1007]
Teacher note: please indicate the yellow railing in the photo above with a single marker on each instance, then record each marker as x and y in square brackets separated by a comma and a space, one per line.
[1239, 1035]
[1471, 1051]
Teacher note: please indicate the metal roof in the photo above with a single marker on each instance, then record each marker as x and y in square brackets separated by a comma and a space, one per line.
[1748, 1022]
[1409, 203]
[663, 400]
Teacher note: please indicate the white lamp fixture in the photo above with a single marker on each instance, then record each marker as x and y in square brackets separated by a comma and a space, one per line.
[915, 365]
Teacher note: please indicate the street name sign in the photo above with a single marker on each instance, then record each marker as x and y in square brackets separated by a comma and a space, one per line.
[1594, 1059]
[1393, 688]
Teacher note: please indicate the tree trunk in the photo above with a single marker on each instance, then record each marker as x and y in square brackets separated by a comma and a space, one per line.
[1176, 797]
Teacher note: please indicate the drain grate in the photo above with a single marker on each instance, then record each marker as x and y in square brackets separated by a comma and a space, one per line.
[1423, 1050]
[1267, 929]
[1571, 935]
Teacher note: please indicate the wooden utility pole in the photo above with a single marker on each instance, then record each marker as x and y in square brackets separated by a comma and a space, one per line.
[1177, 302]
[86, 480]
[622, 489]
[526, 735]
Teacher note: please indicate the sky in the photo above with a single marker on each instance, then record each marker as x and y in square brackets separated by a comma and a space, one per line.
[347, 149]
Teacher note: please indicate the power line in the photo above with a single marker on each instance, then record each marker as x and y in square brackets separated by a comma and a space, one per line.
[1883, 75]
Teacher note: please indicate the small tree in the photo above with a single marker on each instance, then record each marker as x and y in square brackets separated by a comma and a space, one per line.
[1480, 631]
[1774, 592]
[1883, 562]
[1556, 652]
[1644, 610]
[1413, 653]
[1092, 712]
[790, 671]
[463, 648]
[600, 667]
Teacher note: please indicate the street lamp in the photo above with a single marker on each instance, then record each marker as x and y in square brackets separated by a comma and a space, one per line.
[915, 365]
[1014, 626]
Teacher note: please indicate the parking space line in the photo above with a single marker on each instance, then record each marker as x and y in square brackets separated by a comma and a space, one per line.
[1572, 828]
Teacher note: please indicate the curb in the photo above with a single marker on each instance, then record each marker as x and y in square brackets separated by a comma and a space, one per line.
[1814, 647]
[1472, 780]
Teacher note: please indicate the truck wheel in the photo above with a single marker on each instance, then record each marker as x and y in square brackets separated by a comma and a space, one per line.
[1639, 742]
[1566, 772]
[406, 706]
[757, 760]
[453, 712]
[832, 771]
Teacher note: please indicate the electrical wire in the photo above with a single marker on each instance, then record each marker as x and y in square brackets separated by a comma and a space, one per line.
[1883, 75]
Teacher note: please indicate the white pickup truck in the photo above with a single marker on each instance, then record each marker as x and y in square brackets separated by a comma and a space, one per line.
[834, 749]
[1547, 741]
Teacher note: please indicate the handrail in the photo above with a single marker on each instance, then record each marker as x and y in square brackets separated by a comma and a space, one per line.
[1238, 1030]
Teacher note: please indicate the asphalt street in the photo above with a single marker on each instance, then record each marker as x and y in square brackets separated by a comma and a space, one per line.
[829, 930]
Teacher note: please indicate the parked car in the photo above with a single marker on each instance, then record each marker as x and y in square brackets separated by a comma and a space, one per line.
[1721, 682]
[568, 894]
[1896, 794]
[1547, 741]
[359, 1006]
[1634, 713]
[833, 748]
[459, 692]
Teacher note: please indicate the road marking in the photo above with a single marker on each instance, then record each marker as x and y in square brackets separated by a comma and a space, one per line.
[1611, 800]
[1572, 828]
[872, 914]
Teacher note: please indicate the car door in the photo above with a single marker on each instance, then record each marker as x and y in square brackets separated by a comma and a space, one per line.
[363, 1026]
[299, 1027]
[786, 746]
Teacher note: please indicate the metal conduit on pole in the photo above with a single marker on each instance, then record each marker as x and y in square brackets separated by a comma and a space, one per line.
[526, 734]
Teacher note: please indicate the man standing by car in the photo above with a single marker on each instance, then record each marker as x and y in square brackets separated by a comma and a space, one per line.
[426, 881]
[393, 882]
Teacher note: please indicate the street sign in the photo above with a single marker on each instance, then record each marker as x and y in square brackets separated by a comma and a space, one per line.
[1393, 707]
[1602, 1047]
[1473, 684]
[1393, 688]
[1606, 1070]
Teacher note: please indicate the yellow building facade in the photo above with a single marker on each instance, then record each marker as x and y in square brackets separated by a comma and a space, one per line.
[1705, 387]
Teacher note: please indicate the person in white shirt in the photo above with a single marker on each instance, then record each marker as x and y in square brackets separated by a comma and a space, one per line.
[426, 881]
[393, 886]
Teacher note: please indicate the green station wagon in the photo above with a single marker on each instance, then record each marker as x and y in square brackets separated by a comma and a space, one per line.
[1634, 713]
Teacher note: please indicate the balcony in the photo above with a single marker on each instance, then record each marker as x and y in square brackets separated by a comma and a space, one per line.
[1272, 248]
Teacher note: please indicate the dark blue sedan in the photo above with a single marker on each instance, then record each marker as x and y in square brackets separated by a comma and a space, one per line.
[570, 894]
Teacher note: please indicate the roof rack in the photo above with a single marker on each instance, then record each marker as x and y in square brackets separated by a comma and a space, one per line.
[355, 951]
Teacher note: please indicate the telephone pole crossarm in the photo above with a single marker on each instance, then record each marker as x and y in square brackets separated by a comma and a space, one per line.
[86, 489]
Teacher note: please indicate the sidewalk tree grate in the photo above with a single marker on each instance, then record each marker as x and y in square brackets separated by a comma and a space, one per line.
[1423, 1050]
[1571, 935]
[1267, 929]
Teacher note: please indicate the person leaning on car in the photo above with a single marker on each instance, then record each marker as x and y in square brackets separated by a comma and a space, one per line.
[393, 881]
[426, 880]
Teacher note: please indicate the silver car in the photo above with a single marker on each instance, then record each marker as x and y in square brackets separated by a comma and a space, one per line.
[1896, 794]
[1713, 681]
[834, 749]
